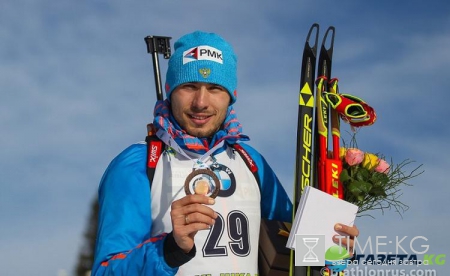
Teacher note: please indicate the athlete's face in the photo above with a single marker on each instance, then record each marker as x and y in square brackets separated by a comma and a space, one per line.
[200, 108]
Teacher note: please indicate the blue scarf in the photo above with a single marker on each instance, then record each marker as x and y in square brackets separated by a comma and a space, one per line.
[230, 130]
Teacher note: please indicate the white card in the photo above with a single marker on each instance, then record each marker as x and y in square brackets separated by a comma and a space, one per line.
[317, 214]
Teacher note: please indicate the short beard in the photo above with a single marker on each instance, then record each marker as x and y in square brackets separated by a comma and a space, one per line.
[204, 133]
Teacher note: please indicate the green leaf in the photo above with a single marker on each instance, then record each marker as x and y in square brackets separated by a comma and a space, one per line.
[384, 178]
[354, 189]
[359, 187]
[344, 176]
[362, 174]
[364, 186]
[377, 191]
[379, 179]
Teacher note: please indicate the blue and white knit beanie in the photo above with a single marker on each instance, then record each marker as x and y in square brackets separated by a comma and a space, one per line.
[202, 57]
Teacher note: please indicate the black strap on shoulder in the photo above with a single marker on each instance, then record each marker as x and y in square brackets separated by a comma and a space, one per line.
[155, 148]
[251, 165]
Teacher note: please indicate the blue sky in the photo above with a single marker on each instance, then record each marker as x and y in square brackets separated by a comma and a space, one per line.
[77, 88]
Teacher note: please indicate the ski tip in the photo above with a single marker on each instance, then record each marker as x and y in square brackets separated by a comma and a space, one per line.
[314, 29]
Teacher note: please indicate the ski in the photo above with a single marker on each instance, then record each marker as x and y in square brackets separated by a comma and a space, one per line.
[328, 167]
[304, 168]
[313, 165]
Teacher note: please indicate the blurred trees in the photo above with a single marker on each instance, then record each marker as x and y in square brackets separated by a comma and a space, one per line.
[86, 255]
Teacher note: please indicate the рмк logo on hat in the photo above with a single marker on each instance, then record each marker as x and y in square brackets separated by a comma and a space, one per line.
[202, 53]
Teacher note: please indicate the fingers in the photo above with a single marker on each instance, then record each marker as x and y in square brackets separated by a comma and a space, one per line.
[347, 236]
[189, 215]
[198, 217]
[347, 230]
[191, 209]
[191, 199]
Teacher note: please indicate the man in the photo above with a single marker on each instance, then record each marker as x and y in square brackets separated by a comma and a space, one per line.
[174, 225]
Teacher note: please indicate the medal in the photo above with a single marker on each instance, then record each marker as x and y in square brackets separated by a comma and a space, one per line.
[202, 182]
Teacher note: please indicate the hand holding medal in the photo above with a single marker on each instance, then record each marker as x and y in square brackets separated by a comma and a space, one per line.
[191, 213]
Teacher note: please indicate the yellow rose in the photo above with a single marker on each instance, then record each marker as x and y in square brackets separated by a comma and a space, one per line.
[342, 152]
[370, 161]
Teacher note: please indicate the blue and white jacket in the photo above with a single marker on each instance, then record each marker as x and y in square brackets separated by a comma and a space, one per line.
[134, 217]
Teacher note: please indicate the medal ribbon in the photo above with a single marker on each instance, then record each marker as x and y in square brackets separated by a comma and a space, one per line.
[201, 161]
